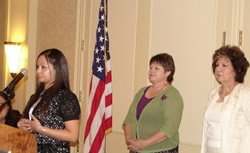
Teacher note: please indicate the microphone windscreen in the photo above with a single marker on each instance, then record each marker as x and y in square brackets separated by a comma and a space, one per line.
[24, 71]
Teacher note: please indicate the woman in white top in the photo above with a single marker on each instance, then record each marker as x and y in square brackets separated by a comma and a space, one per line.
[226, 126]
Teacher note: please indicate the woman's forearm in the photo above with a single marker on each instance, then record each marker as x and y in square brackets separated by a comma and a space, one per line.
[69, 134]
[158, 137]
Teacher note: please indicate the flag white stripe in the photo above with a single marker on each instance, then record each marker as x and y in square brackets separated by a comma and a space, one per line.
[108, 65]
[108, 89]
[108, 111]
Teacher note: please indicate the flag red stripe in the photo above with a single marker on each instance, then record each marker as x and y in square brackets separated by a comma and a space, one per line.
[108, 123]
[108, 100]
[94, 106]
[108, 77]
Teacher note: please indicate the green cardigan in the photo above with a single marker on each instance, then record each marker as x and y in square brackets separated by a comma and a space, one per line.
[163, 113]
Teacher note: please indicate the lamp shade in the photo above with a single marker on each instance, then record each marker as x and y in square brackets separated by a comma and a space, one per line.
[13, 52]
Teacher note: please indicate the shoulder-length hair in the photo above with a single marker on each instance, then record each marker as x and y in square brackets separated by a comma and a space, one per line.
[237, 58]
[167, 62]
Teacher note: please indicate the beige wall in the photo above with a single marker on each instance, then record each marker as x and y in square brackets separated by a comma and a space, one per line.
[56, 28]
[2, 39]
[245, 26]
[188, 35]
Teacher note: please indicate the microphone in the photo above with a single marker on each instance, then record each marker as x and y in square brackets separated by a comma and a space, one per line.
[10, 87]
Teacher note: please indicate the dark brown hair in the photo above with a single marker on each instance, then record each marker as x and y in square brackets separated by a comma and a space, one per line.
[237, 58]
[167, 62]
[58, 60]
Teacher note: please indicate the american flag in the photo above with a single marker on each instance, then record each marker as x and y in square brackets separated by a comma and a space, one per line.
[99, 111]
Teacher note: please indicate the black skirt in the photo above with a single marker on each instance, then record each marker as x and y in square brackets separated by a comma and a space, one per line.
[49, 148]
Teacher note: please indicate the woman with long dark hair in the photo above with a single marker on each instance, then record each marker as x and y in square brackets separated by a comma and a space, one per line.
[53, 111]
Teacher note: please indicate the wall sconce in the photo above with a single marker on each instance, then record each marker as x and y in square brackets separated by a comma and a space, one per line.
[13, 53]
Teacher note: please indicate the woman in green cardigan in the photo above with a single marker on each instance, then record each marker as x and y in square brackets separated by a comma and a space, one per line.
[153, 119]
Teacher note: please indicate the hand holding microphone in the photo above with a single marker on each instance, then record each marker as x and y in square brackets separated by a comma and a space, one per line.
[11, 86]
[9, 90]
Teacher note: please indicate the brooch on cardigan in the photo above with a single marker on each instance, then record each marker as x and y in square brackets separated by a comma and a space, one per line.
[163, 97]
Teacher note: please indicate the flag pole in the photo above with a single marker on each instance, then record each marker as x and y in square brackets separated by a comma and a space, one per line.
[105, 49]
[105, 28]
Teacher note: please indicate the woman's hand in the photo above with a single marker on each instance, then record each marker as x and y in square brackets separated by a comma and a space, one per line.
[137, 144]
[131, 145]
[24, 124]
[35, 124]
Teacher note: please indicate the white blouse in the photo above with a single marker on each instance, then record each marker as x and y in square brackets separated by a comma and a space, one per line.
[30, 112]
[234, 120]
[212, 118]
